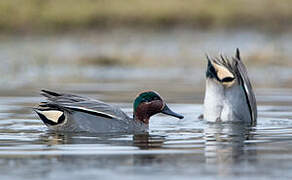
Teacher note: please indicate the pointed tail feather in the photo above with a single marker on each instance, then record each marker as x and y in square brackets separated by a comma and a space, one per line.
[48, 93]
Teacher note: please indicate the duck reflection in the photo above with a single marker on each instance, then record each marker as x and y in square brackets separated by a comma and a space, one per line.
[225, 146]
[147, 142]
[58, 138]
[143, 142]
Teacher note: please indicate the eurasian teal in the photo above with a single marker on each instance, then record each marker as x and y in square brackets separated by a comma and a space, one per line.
[229, 95]
[73, 113]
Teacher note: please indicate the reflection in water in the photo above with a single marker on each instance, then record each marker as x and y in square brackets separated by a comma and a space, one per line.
[147, 142]
[173, 149]
[52, 139]
[97, 142]
[224, 146]
[87, 139]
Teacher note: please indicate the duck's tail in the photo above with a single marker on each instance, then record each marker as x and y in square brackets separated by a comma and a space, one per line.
[50, 114]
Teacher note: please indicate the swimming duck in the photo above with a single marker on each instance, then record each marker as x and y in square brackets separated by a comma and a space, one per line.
[229, 95]
[74, 113]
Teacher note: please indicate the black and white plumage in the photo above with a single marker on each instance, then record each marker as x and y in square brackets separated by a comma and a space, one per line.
[229, 95]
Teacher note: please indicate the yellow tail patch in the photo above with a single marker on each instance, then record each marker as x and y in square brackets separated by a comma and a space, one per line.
[222, 72]
[52, 115]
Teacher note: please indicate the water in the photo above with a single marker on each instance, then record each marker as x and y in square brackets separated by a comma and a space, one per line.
[185, 149]
[173, 149]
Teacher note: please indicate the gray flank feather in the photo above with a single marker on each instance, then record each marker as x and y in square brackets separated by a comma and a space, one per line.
[242, 73]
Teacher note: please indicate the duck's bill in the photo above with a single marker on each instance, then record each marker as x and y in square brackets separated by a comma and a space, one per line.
[167, 111]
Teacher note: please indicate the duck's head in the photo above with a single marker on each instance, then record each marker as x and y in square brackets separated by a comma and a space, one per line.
[149, 103]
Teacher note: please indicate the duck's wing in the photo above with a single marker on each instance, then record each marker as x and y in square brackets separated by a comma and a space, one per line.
[245, 82]
[82, 104]
[62, 97]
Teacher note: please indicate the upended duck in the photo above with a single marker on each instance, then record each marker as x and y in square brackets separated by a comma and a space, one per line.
[229, 95]
[74, 113]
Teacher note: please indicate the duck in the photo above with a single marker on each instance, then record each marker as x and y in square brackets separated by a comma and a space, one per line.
[64, 112]
[229, 96]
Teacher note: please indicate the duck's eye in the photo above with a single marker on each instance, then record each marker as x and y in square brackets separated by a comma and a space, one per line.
[144, 100]
[155, 98]
[228, 79]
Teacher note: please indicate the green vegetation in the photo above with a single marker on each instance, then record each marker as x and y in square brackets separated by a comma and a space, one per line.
[106, 61]
[58, 15]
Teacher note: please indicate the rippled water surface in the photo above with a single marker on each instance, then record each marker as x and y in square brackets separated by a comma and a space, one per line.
[173, 149]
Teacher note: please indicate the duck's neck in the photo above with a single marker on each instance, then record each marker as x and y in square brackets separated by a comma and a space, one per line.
[141, 116]
[144, 111]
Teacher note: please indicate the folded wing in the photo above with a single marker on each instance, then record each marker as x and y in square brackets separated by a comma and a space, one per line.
[72, 102]
[250, 96]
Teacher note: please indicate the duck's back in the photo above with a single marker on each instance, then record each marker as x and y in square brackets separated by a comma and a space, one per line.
[86, 114]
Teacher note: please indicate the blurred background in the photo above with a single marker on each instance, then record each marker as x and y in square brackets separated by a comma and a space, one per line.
[120, 47]
[111, 50]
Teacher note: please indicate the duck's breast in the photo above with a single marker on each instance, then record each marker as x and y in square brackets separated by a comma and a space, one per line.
[213, 102]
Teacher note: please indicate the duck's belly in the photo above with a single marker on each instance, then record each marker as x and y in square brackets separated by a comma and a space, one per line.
[226, 113]
[213, 102]
[222, 105]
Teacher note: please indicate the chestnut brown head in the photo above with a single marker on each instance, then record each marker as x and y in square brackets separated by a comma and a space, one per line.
[149, 103]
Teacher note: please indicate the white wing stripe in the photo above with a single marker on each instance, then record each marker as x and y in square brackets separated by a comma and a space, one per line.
[92, 111]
